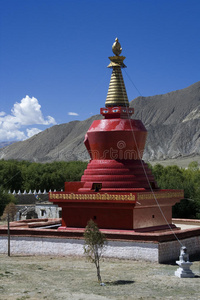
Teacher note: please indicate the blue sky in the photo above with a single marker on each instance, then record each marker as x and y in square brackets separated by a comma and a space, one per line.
[54, 56]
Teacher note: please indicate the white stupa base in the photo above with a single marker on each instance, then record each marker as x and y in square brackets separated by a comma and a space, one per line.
[184, 270]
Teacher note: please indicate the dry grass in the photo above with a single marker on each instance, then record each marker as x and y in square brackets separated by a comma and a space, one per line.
[44, 277]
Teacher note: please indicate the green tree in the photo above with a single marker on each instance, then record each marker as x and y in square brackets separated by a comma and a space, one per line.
[24, 175]
[192, 189]
[173, 177]
[194, 166]
[158, 171]
[95, 242]
[11, 176]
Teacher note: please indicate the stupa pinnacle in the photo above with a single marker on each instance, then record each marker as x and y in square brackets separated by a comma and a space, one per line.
[117, 95]
[116, 47]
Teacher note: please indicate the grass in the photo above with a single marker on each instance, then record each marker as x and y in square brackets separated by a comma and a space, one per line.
[34, 278]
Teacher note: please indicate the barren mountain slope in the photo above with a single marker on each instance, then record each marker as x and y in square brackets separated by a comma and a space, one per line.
[172, 121]
[171, 108]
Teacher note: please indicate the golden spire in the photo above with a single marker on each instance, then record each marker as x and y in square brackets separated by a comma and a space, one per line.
[117, 95]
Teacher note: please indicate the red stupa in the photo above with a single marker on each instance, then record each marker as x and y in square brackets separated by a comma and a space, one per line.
[117, 190]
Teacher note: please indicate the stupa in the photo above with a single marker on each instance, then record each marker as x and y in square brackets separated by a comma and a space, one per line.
[117, 190]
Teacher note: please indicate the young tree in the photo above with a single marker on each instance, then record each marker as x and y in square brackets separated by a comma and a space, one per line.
[10, 210]
[5, 199]
[9, 214]
[95, 241]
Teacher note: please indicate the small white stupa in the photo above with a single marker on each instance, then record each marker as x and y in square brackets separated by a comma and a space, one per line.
[184, 265]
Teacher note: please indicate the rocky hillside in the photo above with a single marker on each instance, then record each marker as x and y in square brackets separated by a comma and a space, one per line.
[4, 144]
[172, 121]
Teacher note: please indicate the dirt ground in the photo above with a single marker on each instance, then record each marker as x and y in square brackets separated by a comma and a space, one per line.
[74, 278]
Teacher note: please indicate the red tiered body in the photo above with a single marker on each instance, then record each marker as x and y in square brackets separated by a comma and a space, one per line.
[116, 146]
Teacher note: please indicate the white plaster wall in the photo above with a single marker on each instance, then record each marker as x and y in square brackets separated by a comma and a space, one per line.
[53, 246]
[132, 250]
[50, 211]
[42, 246]
[155, 252]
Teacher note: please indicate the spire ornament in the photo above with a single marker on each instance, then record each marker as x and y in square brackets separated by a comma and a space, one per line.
[116, 47]
[117, 95]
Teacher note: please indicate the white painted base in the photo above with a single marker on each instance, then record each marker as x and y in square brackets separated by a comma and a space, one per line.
[184, 270]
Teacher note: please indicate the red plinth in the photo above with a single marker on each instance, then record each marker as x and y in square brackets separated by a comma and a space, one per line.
[133, 211]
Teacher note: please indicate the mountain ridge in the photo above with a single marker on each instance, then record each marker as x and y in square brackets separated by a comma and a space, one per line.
[172, 121]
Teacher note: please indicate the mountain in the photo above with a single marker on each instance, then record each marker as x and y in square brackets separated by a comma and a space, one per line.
[172, 121]
[59, 142]
[4, 144]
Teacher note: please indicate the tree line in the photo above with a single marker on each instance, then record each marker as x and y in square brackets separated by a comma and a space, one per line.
[174, 177]
[24, 175]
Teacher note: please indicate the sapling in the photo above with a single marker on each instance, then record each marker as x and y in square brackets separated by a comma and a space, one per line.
[95, 241]
[9, 215]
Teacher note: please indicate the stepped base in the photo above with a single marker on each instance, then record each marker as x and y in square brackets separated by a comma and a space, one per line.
[118, 176]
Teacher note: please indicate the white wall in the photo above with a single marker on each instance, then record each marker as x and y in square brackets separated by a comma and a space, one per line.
[149, 251]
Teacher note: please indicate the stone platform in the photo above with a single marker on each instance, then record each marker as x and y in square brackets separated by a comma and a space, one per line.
[27, 238]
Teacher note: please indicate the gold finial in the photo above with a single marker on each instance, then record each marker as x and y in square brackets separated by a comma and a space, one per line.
[117, 95]
[116, 47]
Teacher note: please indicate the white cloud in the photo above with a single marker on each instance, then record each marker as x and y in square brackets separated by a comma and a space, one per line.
[25, 113]
[28, 112]
[2, 113]
[73, 114]
[32, 131]
[15, 134]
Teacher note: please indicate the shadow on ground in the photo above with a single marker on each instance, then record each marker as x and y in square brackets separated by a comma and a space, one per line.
[119, 282]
